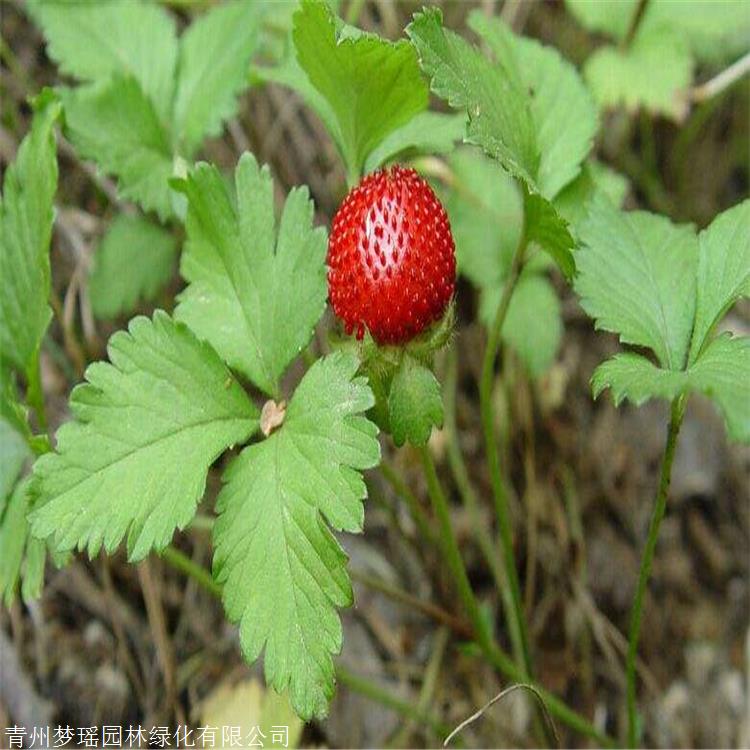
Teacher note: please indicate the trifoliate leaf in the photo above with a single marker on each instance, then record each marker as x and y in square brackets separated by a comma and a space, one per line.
[723, 271]
[13, 454]
[653, 73]
[26, 217]
[415, 403]
[282, 570]
[92, 41]
[564, 114]
[720, 372]
[425, 133]
[133, 262]
[116, 125]
[636, 277]
[256, 289]
[573, 201]
[533, 324]
[372, 86]
[146, 429]
[499, 112]
[214, 64]
[485, 210]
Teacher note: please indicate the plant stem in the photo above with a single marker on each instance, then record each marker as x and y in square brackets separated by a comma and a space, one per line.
[34, 392]
[385, 697]
[180, 561]
[497, 657]
[499, 489]
[635, 22]
[416, 511]
[450, 549]
[678, 411]
[471, 503]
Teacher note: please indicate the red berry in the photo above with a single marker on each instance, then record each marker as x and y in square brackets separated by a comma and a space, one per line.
[391, 257]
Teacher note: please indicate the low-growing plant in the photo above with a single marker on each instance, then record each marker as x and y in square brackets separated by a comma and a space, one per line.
[522, 199]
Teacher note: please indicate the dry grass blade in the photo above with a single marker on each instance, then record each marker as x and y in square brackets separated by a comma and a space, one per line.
[502, 694]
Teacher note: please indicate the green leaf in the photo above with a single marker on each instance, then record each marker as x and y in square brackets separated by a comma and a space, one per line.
[501, 120]
[372, 86]
[19, 552]
[147, 427]
[415, 403]
[133, 262]
[214, 64]
[425, 133]
[550, 231]
[13, 454]
[573, 202]
[654, 73]
[720, 372]
[256, 290]
[611, 18]
[723, 271]
[485, 210]
[282, 570]
[26, 216]
[500, 117]
[533, 325]
[563, 112]
[116, 125]
[92, 41]
[636, 277]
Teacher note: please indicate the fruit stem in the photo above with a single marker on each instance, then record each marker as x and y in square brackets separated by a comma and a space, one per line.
[678, 411]
[499, 489]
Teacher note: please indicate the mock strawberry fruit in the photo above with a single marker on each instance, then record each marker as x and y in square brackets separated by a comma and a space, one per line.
[391, 257]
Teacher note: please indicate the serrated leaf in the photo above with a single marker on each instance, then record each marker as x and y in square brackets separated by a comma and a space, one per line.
[116, 125]
[283, 571]
[573, 201]
[133, 262]
[21, 556]
[415, 403]
[26, 216]
[256, 290]
[425, 133]
[214, 63]
[372, 86]
[723, 271]
[720, 372]
[146, 429]
[92, 41]
[13, 454]
[636, 378]
[636, 277]
[533, 325]
[550, 231]
[563, 112]
[485, 210]
[654, 73]
[500, 117]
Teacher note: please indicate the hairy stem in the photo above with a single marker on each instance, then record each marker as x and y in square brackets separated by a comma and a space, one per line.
[499, 489]
[180, 561]
[678, 411]
[35, 393]
[635, 22]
